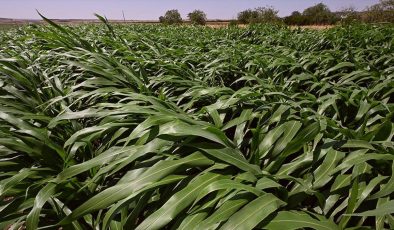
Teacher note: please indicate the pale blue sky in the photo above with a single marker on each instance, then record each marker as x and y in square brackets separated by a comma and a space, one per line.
[152, 9]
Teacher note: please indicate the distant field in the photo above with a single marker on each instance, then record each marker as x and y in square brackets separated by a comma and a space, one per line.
[92, 21]
[212, 23]
[8, 26]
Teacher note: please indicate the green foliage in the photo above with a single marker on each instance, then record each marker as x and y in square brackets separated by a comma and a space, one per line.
[152, 127]
[296, 18]
[318, 14]
[171, 17]
[259, 15]
[247, 16]
[197, 17]
[233, 23]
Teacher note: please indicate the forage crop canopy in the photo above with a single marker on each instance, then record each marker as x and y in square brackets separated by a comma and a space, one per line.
[157, 127]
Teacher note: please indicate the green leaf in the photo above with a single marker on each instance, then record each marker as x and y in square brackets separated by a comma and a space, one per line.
[121, 191]
[178, 202]
[388, 188]
[178, 128]
[302, 137]
[323, 174]
[339, 66]
[232, 157]
[226, 210]
[9, 183]
[226, 184]
[42, 197]
[384, 209]
[114, 209]
[292, 220]
[253, 213]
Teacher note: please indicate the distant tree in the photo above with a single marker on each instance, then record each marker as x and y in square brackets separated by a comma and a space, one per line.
[296, 18]
[197, 17]
[296, 14]
[267, 14]
[259, 15]
[319, 14]
[387, 4]
[171, 17]
[381, 12]
[388, 9]
[349, 15]
[247, 16]
[373, 14]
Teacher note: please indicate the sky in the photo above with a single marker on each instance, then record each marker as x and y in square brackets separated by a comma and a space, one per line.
[152, 9]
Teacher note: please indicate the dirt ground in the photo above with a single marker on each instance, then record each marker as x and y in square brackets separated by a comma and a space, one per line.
[313, 27]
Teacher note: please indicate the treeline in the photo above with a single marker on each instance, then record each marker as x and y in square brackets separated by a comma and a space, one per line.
[197, 17]
[315, 15]
[318, 14]
[381, 12]
[321, 14]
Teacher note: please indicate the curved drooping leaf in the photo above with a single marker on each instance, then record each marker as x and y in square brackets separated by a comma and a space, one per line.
[253, 213]
[385, 209]
[178, 202]
[121, 191]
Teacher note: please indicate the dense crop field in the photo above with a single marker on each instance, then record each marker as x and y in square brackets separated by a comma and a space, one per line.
[153, 127]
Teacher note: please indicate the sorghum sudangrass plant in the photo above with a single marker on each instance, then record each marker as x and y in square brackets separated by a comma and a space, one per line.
[152, 127]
